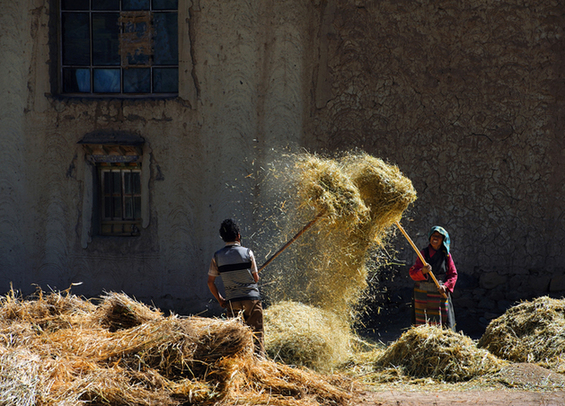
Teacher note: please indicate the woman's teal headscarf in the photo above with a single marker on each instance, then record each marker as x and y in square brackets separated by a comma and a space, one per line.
[443, 232]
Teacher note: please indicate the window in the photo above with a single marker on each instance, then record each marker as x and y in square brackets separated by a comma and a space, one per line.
[120, 199]
[119, 47]
[116, 185]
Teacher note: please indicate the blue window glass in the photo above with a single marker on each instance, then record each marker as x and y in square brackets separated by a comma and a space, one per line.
[76, 39]
[74, 5]
[131, 5]
[165, 4]
[105, 39]
[76, 80]
[137, 80]
[105, 4]
[165, 26]
[106, 80]
[165, 80]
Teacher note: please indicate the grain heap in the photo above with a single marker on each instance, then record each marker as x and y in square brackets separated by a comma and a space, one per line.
[433, 352]
[532, 331]
[304, 335]
[59, 349]
[384, 190]
[325, 188]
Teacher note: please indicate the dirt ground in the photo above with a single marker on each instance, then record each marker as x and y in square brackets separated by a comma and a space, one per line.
[471, 397]
[518, 384]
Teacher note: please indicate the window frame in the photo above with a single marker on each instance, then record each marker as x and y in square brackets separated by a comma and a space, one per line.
[129, 226]
[120, 66]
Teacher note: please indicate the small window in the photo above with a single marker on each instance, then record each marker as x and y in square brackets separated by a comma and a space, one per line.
[119, 48]
[120, 202]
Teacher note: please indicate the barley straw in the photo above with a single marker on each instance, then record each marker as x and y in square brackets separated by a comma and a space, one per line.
[324, 187]
[118, 311]
[433, 352]
[532, 331]
[361, 197]
[58, 349]
[383, 188]
[328, 271]
[308, 336]
[19, 377]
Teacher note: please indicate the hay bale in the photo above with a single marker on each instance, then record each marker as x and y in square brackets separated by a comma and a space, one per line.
[298, 334]
[118, 311]
[323, 185]
[384, 190]
[19, 377]
[433, 352]
[173, 346]
[288, 385]
[162, 361]
[46, 311]
[100, 385]
[14, 333]
[532, 331]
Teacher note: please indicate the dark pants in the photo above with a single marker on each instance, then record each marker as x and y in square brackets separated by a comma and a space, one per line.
[252, 313]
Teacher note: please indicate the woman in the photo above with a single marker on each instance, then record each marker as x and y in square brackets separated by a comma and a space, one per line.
[428, 304]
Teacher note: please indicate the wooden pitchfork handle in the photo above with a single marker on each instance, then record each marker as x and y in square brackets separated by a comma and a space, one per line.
[284, 247]
[421, 257]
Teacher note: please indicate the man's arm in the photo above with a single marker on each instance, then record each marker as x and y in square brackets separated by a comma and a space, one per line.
[214, 289]
[212, 275]
[254, 271]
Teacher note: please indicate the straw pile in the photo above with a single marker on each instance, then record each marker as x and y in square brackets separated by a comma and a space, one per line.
[298, 334]
[433, 352]
[59, 349]
[383, 188]
[118, 311]
[324, 187]
[359, 197]
[356, 189]
[532, 331]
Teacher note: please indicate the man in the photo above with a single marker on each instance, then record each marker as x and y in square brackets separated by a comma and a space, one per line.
[237, 268]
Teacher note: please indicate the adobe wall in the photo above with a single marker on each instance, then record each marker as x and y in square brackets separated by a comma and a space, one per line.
[466, 98]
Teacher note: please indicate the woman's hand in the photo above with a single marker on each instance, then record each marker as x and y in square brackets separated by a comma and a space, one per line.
[426, 269]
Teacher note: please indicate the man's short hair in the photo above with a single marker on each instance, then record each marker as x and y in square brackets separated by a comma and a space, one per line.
[229, 230]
